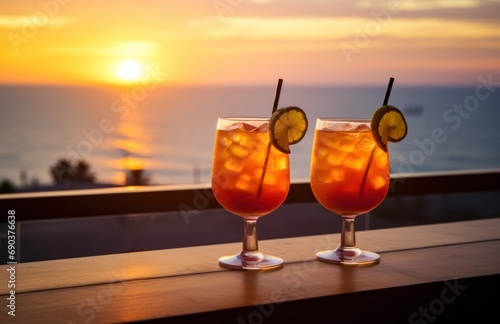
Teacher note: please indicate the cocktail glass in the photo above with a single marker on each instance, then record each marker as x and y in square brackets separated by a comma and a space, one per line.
[250, 178]
[349, 177]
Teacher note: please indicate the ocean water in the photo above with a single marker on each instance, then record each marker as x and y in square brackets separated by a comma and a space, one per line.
[169, 131]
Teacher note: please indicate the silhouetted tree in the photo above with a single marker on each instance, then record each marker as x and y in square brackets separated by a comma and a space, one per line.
[64, 171]
[61, 171]
[81, 172]
[6, 186]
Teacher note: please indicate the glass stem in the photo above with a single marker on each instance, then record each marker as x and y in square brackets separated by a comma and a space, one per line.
[250, 240]
[348, 236]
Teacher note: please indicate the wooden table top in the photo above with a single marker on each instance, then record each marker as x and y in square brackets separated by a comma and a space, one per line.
[177, 283]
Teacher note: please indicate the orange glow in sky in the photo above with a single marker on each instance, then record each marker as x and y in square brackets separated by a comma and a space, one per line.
[249, 41]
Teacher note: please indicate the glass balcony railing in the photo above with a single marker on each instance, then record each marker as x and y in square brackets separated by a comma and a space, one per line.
[55, 225]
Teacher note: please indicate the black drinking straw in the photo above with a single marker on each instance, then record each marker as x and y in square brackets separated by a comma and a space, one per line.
[386, 100]
[275, 107]
[277, 95]
[388, 92]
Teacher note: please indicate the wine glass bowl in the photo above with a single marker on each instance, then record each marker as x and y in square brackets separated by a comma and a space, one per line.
[349, 177]
[250, 178]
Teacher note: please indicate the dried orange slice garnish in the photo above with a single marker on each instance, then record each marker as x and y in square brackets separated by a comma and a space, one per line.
[287, 126]
[388, 125]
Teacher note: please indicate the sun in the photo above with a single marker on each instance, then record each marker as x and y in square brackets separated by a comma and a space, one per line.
[130, 70]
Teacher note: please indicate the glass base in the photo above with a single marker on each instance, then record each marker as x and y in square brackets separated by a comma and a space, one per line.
[251, 261]
[348, 256]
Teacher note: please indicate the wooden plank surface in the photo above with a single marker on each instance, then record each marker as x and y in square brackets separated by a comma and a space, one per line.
[170, 283]
[105, 269]
[187, 294]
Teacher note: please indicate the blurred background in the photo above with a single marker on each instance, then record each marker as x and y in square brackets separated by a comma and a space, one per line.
[97, 94]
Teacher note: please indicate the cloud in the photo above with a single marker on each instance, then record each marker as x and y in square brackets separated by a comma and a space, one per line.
[441, 9]
[135, 49]
[440, 4]
[425, 4]
[328, 29]
[38, 20]
[276, 28]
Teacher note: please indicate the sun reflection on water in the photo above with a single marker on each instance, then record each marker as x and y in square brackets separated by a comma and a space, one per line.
[134, 143]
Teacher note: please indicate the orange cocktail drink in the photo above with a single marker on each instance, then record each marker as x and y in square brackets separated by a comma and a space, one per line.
[250, 177]
[349, 171]
[349, 177]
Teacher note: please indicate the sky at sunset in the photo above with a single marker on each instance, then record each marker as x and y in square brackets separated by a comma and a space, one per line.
[249, 41]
